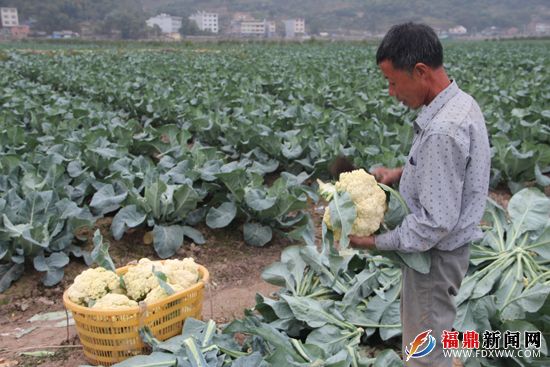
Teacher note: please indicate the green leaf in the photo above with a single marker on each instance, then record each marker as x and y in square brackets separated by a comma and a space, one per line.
[258, 200]
[223, 215]
[542, 180]
[313, 313]
[256, 234]
[254, 359]
[329, 337]
[342, 216]
[167, 240]
[128, 217]
[193, 234]
[528, 210]
[155, 359]
[100, 253]
[10, 273]
[163, 282]
[397, 208]
[153, 194]
[186, 200]
[105, 200]
[235, 181]
[532, 299]
[387, 358]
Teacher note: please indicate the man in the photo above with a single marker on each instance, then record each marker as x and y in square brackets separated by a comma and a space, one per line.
[444, 182]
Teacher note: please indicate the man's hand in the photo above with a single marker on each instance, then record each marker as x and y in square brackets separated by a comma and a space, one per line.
[387, 176]
[364, 243]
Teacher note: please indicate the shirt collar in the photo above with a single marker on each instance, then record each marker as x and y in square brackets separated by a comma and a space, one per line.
[427, 113]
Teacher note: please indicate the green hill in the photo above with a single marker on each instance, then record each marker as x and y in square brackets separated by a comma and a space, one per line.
[321, 15]
[372, 15]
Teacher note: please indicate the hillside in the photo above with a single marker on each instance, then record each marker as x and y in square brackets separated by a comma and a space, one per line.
[373, 15]
[376, 16]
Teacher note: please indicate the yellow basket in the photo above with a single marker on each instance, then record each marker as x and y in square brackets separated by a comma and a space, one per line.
[111, 336]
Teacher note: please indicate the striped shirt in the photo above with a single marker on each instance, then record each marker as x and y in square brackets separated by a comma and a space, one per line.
[446, 177]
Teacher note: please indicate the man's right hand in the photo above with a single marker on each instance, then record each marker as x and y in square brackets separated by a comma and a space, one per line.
[387, 176]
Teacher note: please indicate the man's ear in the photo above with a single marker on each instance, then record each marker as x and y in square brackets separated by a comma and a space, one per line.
[421, 70]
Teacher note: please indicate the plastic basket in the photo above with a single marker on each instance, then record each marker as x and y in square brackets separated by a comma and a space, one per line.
[111, 336]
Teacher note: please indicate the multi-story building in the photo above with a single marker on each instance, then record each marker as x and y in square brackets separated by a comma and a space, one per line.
[253, 28]
[206, 21]
[271, 28]
[166, 23]
[294, 27]
[9, 17]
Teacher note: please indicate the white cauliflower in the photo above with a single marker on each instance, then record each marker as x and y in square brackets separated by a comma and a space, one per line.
[140, 280]
[368, 197]
[184, 273]
[92, 284]
[158, 293]
[114, 301]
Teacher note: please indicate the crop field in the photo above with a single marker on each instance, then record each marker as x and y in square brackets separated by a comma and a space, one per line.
[172, 150]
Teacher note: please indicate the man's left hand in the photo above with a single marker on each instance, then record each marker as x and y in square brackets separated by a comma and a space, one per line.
[365, 243]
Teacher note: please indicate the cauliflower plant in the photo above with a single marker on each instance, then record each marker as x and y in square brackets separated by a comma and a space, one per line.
[140, 280]
[369, 200]
[158, 293]
[92, 284]
[114, 301]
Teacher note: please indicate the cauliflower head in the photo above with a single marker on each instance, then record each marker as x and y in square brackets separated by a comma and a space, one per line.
[140, 280]
[158, 293]
[114, 301]
[92, 284]
[184, 273]
[368, 197]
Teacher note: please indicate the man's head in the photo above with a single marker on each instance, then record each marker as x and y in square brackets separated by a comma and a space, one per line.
[410, 56]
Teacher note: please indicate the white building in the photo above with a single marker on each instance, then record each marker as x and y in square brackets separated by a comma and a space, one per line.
[294, 27]
[542, 28]
[251, 28]
[206, 21]
[9, 17]
[458, 30]
[166, 23]
[271, 28]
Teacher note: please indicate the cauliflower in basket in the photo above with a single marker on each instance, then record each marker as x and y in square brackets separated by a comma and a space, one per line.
[93, 284]
[184, 273]
[114, 301]
[140, 280]
[158, 293]
[368, 197]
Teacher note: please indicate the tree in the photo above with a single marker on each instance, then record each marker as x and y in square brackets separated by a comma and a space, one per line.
[130, 24]
[189, 27]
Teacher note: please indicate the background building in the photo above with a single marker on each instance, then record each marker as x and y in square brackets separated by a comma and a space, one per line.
[167, 23]
[9, 17]
[294, 27]
[206, 21]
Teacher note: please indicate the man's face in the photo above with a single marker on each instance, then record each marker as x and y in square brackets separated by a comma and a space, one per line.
[405, 87]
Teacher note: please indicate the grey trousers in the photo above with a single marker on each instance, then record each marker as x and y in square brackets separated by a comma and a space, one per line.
[427, 302]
